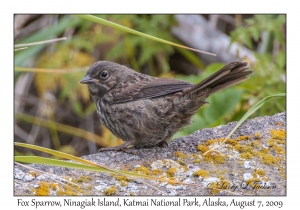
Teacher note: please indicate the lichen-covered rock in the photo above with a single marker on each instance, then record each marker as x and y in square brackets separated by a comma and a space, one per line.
[251, 162]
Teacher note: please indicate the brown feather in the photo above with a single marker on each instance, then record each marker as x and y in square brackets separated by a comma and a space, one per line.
[151, 89]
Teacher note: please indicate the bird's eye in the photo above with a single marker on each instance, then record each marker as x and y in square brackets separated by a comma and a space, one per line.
[104, 74]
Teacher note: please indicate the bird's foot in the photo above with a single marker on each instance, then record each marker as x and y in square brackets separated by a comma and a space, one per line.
[122, 147]
[163, 144]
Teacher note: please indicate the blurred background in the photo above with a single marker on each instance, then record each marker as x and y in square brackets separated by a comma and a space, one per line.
[53, 110]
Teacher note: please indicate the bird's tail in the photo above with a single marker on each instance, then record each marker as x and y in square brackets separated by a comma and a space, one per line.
[229, 75]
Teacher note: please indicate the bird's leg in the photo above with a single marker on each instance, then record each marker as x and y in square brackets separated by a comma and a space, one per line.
[117, 148]
[163, 144]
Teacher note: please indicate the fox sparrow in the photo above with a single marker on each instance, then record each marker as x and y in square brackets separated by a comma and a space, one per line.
[145, 111]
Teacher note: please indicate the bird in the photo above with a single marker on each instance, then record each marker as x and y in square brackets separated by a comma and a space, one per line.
[146, 111]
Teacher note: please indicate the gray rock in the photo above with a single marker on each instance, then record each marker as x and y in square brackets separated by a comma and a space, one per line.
[255, 153]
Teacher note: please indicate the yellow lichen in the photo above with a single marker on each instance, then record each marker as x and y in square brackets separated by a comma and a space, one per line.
[233, 142]
[256, 144]
[202, 173]
[214, 156]
[53, 186]
[242, 149]
[43, 189]
[214, 187]
[246, 155]
[171, 172]
[279, 123]
[33, 173]
[180, 155]
[278, 134]
[221, 177]
[81, 179]
[257, 136]
[157, 172]
[268, 159]
[195, 156]
[69, 190]
[123, 183]
[260, 172]
[141, 170]
[278, 149]
[241, 138]
[110, 191]
[271, 142]
[122, 178]
[202, 148]
[196, 161]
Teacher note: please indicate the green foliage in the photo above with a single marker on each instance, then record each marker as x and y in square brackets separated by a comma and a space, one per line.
[138, 50]
[265, 35]
[252, 30]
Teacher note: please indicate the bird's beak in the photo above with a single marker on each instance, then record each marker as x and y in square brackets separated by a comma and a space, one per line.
[87, 80]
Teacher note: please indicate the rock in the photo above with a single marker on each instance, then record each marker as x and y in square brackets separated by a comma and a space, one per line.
[251, 162]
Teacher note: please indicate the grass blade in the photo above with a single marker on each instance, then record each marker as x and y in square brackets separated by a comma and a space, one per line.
[59, 163]
[56, 71]
[123, 28]
[86, 165]
[41, 42]
[23, 48]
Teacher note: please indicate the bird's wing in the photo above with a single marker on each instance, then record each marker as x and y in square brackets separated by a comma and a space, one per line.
[150, 89]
